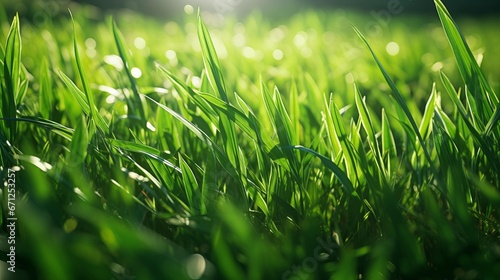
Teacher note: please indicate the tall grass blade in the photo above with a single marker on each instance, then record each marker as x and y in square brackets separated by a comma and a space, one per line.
[366, 121]
[397, 95]
[214, 75]
[76, 92]
[249, 125]
[136, 104]
[94, 114]
[337, 133]
[12, 77]
[465, 117]
[485, 97]
[426, 123]
[282, 125]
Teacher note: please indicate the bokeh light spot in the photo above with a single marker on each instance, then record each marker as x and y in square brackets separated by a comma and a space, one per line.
[437, 66]
[239, 40]
[136, 72]
[188, 9]
[140, 43]
[90, 43]
[392, 48]
[300, 39]
[171, 54]
[91, 53]
[278, 54]
[248, 52]
[196, 266]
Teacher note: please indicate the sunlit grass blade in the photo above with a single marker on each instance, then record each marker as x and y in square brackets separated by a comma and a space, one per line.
[346, 183]
[426, 123]
[397, 95]
[364, 116]
[471, 73]
[144, 150]
[337, 133]
[136, 104]
[57, 128]
[12, 61]
[190, 186]
[465, 117]
[93, 112]
[211, 61]
[250, 125]
[214, 75]
[214, 148]
[447, 123]
[76, 92]
[281, 124]
[366, 121]
[184, 89]
[12, 77]
[79, 144]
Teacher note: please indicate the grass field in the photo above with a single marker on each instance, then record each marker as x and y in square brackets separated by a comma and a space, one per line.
[305, 148]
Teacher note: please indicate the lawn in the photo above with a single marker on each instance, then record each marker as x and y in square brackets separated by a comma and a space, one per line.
[326, 145]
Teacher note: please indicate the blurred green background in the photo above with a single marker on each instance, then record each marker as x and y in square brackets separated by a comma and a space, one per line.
[134, 205]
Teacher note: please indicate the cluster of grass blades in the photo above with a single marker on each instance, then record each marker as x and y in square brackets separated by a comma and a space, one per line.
[118, 179]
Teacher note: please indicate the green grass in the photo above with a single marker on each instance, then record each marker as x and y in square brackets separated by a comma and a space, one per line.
[224, 160]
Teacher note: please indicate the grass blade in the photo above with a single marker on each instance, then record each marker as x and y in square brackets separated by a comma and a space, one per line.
[475, 133]
[144, 150]
[282, 125]
[366, 121]
[214, 75]
[190, 185]
[346, 183]
[397, 95]
[136, 104]
[12, 77]
[470, 71]
[76, 92]
[79, 144]
[388, 142]
[426, 123]
[99, 121]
